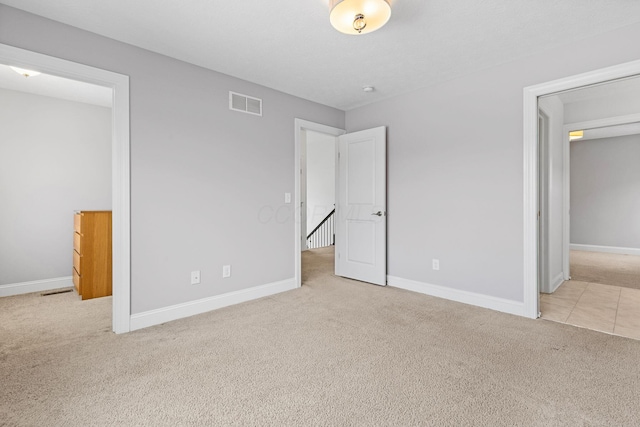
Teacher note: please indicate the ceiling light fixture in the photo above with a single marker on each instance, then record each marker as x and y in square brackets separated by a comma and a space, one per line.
[23, 72]
[576, 134]
[359, 16]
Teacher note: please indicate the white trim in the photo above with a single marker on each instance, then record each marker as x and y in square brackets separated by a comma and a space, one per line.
[530, 140]
[120, 162]
[556, 282]
[472, 298]
[600, 123]
[299, 126]
[530, 198]
[35, 286]
[606, 249]
[191, 308]
[544, 205]
[566, 203]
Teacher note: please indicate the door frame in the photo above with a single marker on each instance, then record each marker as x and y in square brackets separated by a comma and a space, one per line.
[530, 165]
[120, 162]
[543, 201]
[299, 126]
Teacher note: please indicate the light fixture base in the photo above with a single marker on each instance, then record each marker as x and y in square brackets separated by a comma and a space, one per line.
[356, 17]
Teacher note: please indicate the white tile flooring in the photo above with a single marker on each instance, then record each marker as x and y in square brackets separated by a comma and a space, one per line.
[605, 308]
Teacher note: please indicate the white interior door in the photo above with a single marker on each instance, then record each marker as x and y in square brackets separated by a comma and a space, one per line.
[361, 206]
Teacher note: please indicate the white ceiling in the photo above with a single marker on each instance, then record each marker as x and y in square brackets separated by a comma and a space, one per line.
[56, 87]
[290, 46]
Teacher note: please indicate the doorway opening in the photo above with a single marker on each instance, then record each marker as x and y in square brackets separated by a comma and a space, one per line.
[120, 166]
[582, 178]
[316, 154]
[360, 197]
[317, 205]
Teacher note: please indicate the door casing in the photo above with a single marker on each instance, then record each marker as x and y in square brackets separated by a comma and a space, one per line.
[531, 161]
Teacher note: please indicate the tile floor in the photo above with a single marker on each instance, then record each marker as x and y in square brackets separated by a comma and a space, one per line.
[605, 308]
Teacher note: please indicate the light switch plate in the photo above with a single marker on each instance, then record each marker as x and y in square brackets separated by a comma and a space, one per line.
[287, 197]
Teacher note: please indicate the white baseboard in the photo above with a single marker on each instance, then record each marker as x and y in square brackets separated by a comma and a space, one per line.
[556, 282]
[191, 308]
[607, 249]
[485, 301]
[35, 286]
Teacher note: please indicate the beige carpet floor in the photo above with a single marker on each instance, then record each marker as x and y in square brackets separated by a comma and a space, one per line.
[605, 268]
[335, 352]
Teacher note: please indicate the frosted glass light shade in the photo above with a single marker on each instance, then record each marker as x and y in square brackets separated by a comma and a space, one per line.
[576, 134]
[344, 13]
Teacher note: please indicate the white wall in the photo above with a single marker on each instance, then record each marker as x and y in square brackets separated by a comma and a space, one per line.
[554, 110]
[593, 109]
[321, 174]
[605, 192]
[207, 183]
[55, 157]
[455, 168]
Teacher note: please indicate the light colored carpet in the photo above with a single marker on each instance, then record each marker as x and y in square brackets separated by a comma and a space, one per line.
[605, 268]
[334, 352]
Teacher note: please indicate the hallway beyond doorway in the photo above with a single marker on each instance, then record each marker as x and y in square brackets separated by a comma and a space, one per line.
[593, 300]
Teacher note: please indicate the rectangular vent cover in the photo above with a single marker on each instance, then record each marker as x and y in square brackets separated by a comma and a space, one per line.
[245, 104]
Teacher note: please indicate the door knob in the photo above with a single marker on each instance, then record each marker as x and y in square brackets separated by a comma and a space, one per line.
[379, 213]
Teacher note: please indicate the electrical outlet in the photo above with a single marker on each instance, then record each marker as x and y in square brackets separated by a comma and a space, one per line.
[435, 263]
[195, 277]
[226, 271]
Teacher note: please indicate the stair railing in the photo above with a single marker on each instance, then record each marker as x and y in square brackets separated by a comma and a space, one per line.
[324, 233]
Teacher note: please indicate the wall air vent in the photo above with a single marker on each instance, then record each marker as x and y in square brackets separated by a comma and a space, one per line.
[245, 104]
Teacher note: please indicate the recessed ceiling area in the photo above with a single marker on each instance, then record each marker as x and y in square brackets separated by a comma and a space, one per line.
[290, 45]
[56, 87]
[615, 89]
[612, 96]
[611, 131]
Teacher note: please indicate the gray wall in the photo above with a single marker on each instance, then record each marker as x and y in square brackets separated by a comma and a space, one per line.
[200, 173]
[605, 192]
[55, 157]
[455, 166]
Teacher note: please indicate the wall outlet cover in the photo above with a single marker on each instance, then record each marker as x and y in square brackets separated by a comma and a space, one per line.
[195, 277]
[226, 271]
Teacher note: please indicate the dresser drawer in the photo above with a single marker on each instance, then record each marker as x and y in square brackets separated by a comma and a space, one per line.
[77, 242]
[77, 262]
[77, 282]
[77, 220]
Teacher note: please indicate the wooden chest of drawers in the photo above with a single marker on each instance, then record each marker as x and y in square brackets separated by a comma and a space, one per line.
[92, 271]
